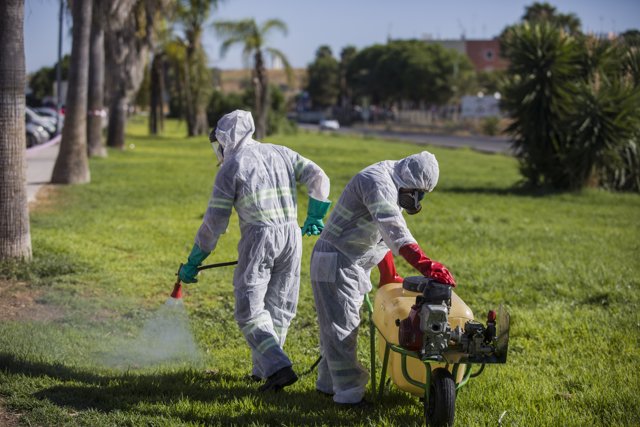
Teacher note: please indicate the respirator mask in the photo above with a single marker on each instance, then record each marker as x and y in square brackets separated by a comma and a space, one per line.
[218, 149]
[409, 200]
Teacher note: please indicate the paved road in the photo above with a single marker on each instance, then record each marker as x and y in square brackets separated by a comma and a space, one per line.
[483, 144]
[40, 161]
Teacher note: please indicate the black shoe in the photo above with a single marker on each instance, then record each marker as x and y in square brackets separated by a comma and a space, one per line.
[254, 378]
[325, 394]
[280, 379]
[362, 405]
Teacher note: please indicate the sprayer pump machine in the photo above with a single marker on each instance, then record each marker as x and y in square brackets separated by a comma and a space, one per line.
[427, 330]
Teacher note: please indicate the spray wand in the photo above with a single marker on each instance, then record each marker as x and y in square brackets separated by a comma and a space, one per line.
[177, 287]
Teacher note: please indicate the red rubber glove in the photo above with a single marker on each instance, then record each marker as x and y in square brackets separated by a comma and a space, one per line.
[388, 273]
[428, 268]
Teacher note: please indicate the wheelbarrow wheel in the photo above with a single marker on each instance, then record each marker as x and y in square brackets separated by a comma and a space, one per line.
[440, 409]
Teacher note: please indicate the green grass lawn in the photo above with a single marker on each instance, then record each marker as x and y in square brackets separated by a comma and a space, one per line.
[567, 266]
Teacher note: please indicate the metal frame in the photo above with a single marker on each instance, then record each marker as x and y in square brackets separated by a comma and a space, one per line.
[426, 386]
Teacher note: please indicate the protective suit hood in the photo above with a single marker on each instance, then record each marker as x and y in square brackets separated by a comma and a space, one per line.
[233, 130]
[418, 171]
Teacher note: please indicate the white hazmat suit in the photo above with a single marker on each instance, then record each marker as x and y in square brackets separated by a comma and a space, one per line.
[365, 223]
[259, 181]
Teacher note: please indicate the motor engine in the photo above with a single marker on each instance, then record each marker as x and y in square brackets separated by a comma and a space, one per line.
[427, 331]
[434, 324]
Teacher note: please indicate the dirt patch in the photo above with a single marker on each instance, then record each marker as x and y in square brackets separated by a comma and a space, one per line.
[19, 301]
[8, 418]
[45, 199]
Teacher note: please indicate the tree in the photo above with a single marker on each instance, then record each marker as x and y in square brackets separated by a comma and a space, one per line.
[129, 35]
[253, 39]
[157, 72]
[537, 93]
[197, 84]
[324, 78]
[346, 93]
[631, 38]
[96, 83]
[156, 95]
[15, 236]
[406, 70]
[175, 54]
[220, 104]
[539, 13]
[43, 80]
[573, 105]
[72, 164]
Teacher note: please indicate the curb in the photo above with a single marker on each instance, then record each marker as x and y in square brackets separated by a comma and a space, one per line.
[52, 141]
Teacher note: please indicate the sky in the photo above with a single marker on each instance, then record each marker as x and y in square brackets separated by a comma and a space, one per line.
[338, 23]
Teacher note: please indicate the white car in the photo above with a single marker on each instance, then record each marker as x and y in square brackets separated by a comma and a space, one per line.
[47, 123]
[35, 134]
[51, 114]
[329, 125]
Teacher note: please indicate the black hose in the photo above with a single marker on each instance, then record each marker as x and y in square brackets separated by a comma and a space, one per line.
[221, 264]
[316, 363]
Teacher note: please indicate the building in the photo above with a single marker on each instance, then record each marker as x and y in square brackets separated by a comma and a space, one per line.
[484, 54]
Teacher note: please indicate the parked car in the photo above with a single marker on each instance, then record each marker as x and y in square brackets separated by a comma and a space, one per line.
[51, 114]
[47, 123]
[329, 125]
[35, 134]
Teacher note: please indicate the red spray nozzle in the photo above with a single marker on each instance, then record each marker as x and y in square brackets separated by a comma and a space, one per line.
[177, 290]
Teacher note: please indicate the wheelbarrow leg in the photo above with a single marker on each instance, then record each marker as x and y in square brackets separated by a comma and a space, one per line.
[427, 388]
[383, 374]
[372, 332]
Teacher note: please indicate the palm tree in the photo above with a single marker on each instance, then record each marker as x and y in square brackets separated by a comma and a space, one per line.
[197, 83]
[15, 237]
[544, 12]
[157, 72]
[157, 89]
[573, 106]
[129, 37]
[253, 38]
[96, 83]
[72, 164]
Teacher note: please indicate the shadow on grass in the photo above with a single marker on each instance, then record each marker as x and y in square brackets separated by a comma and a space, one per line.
[199, 397]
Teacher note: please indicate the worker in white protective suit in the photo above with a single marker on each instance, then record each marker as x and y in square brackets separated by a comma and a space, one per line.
[259, 180]
[366, 228]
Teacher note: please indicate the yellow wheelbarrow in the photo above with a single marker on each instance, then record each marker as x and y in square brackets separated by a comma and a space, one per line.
[429, 342]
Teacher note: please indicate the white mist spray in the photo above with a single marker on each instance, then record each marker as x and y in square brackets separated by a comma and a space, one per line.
[165, 338]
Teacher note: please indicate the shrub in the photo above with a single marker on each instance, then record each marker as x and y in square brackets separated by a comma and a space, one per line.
[573, 101]
[491, 126]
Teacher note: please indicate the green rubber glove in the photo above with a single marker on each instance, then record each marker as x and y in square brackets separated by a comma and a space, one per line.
[313, 225]
[189, 271]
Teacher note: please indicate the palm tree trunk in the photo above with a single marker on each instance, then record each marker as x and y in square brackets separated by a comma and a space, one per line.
[117, 120]
[202, 124]
[15, 236]
[261, 87]
[156, 100]
[128, 40]
[189, 108]
[72, 164]
[96, 85]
